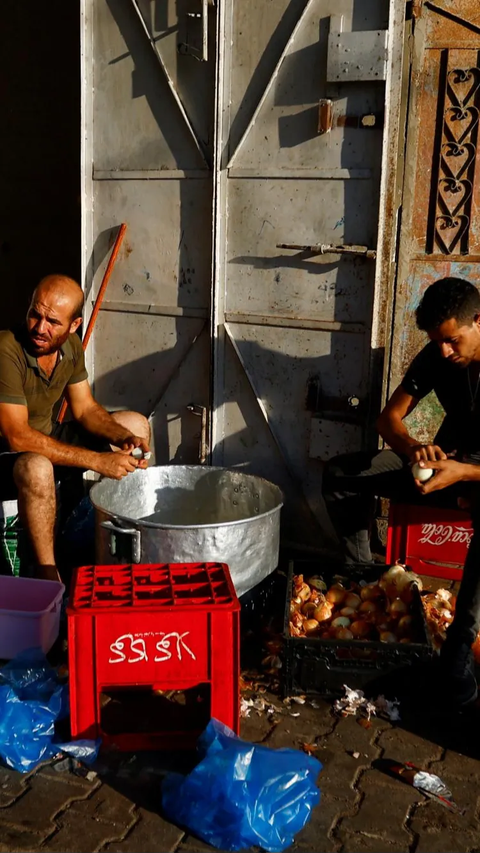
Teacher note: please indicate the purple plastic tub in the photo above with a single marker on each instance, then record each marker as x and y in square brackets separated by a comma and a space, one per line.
[29, 614]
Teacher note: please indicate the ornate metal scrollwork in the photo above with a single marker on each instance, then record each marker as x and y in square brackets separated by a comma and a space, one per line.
[456, 160]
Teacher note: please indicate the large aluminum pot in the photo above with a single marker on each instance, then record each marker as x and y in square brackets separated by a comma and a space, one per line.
[190, 513]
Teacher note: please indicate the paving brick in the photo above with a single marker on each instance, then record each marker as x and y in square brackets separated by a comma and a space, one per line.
[194, 845]
[12, 784]
[77, 833]
[323, 819]
[255, 728]
[439, 831]
[404, 746]
[383, 808]
[365, 842]
[108, 805]
[48, 771]
[150, 833]
[17, 840]
[36, 808]
[456, 764]
[350, 736]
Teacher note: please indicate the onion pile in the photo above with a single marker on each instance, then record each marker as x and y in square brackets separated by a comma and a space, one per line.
[374, 611]
[439, 610]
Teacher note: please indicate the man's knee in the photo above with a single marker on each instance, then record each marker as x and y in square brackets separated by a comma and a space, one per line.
[33, 471]
[135, 422]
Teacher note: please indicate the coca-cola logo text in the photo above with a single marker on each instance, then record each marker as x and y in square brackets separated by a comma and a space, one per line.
[438, 534]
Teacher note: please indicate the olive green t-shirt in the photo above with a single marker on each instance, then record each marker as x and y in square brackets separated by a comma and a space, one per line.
[24, 383]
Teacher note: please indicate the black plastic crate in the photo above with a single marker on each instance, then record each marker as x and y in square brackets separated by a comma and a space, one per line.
[322, 667]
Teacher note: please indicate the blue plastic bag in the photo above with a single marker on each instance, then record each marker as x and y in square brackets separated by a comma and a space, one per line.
[32, 698]
[241, 794]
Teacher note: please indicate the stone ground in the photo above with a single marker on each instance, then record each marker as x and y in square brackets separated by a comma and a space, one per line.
[362, 810]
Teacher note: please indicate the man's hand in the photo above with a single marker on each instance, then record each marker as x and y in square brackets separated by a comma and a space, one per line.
[447, 472]
[117, 465]
[133, 441]
[426, 453]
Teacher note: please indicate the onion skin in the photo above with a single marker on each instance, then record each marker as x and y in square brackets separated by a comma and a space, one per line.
[343, 634]
[387, 637]
[336, 594]
[324, 612]
[368, 607]
[361, 629]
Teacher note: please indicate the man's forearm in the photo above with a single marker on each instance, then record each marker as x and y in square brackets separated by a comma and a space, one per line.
[98, 422]
[59, 453]
[397, 436]
[471, 472]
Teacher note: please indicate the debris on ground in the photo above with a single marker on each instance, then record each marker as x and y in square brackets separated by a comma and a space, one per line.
[428, 784]
[355, 702]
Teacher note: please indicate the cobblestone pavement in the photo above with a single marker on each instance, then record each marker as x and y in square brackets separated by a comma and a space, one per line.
[361, 809]
[116, 809]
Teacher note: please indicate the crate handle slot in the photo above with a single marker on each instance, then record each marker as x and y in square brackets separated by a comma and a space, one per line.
[116, 532]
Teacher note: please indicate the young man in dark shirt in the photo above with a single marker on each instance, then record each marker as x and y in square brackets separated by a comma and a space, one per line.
[449, 365]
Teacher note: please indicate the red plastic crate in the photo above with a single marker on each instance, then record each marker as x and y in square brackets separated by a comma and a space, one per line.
[432, 541]
[170, 626]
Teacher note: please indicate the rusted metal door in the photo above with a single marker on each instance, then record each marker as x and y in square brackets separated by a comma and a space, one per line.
[308, 117]
[148, 107]
[440, 234]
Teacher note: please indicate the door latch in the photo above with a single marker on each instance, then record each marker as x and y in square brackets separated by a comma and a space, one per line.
[201, 412]
[328, 118]
[331, 249]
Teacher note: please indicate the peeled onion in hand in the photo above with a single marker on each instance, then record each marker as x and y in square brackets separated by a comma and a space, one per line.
[422, 474]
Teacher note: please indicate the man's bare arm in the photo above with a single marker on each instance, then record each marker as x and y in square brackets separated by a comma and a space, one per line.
[22, 438]
[391, 427]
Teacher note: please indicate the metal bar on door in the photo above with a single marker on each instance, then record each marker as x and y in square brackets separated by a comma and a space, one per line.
[170, 82]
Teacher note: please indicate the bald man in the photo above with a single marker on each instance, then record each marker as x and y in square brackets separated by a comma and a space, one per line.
[39, 363]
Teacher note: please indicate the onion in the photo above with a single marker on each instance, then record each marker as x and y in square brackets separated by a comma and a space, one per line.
[353, 600]
[304, 592]
[343, 634]
[405, 624]
[347, 611]
[368, 607]
[310, 625]
[371, 592]
[336, 594]
[322, 613]
[341, 622]
[316, 597]
[317, 583]
[387, 637]
[297, 619]
[308, 608]
[360, 629]
[398, 608]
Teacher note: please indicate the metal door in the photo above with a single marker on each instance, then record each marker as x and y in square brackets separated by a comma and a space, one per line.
[440, 233]
[148, 106]
[308, 117]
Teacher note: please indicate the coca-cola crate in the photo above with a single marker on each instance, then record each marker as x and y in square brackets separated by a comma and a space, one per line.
[432, 541]
[139, 634]
[322, 667]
